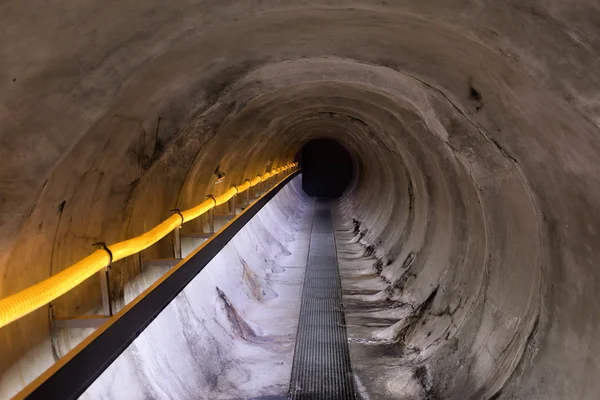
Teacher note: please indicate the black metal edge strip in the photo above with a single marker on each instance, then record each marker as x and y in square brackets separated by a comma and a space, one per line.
[86, 362]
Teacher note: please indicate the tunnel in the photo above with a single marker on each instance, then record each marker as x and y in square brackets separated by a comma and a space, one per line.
[452, 147]
[326, 168]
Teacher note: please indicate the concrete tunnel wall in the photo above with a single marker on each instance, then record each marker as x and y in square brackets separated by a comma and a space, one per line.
[473, 127]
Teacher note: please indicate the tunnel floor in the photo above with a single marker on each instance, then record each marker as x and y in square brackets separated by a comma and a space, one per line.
[321, 367]
[293, 307]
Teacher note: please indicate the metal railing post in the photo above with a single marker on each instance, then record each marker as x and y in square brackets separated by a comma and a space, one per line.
[233, 205]
[211, 215]
[105, 287]
[51, 315]
[248, 194]
[105, 281]
[177, 236]
[176, 243]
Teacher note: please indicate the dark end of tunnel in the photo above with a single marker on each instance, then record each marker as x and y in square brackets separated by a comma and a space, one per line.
[326, 168]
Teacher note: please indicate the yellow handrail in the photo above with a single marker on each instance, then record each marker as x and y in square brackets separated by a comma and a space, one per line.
[28, 300]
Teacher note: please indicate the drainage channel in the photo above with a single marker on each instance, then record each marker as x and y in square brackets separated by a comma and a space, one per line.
[321, 368]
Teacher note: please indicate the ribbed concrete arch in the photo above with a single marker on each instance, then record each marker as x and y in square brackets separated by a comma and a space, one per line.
[473, 128]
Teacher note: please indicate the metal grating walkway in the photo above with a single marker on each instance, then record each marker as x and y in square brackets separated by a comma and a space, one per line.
[321, 367]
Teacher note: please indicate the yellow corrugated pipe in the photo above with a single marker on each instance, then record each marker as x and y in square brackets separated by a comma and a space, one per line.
[28, 300]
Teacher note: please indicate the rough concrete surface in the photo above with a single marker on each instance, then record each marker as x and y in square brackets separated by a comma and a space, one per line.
[471, 271]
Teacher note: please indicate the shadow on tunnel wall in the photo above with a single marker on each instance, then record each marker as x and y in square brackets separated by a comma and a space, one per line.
[326, 168]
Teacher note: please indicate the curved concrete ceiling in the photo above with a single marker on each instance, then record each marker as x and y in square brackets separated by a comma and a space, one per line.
[473, 126]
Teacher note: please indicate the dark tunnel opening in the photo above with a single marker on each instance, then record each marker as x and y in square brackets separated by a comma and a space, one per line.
[326, 168]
